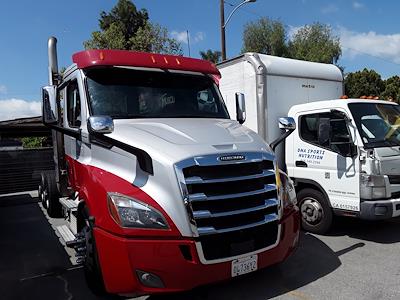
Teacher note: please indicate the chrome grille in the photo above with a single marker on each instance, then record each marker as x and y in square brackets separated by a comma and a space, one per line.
[233, 205]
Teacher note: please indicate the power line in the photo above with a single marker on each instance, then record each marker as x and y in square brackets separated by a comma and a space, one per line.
[371, 55]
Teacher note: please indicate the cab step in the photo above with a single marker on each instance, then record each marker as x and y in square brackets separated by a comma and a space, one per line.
[69, 204]
[65, 233]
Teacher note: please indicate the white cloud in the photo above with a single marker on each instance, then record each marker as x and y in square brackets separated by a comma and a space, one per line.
[3, 89]
[181, 36]
[199, 36]
[331, 8]
[358, 5]
[18, 108]
[385, 46]
[293, 30]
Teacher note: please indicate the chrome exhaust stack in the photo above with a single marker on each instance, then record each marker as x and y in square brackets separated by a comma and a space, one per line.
[53, 62]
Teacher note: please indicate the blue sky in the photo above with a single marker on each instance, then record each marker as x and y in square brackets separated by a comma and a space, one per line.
[369, 32]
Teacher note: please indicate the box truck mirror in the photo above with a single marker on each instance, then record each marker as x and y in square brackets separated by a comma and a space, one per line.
[49, 105]
[240, 108]
[288, 124]
[100, 124]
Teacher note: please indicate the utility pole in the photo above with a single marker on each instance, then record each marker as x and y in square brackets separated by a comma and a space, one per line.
[222, 13]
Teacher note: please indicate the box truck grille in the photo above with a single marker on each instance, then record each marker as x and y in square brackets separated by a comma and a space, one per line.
[234, 206]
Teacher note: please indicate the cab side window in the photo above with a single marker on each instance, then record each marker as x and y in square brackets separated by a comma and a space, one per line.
[73, 105]
[326, 130]
[310, 126]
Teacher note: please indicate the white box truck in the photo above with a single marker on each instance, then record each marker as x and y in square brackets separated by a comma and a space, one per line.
[344, 155]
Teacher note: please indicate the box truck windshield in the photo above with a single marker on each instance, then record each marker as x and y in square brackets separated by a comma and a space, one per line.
[378, 124]
[125, 93]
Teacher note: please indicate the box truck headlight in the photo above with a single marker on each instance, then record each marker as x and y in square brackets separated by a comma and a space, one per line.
[130, 212]
[373, 186]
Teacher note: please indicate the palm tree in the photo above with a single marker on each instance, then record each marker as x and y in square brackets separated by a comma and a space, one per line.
[210, 55]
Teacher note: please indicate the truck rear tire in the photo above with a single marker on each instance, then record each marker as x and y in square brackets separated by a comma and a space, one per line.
[316, 214]
[41, 189]
[52, 203]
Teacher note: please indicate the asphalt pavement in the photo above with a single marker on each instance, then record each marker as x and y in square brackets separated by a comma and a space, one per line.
[357, 260]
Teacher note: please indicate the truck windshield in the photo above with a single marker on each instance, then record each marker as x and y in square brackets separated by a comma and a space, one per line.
[124, 93]
[378, 124]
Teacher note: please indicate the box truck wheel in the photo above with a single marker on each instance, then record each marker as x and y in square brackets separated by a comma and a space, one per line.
[91, 263]
[51, 196]
[316, 215]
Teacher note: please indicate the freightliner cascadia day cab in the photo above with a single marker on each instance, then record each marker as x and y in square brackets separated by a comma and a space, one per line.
[344, 155]
[162, 191]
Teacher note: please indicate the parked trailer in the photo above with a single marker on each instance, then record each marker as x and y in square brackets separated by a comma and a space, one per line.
[344, 156]
[161, 190]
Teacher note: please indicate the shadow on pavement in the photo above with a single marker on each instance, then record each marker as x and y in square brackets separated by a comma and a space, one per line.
[384, 232]
[313, 260]
[33, 264]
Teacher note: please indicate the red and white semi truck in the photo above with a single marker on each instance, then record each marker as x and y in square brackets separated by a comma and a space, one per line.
[162, 191]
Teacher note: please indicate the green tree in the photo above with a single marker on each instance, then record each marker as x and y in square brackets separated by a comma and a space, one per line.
[126, 28]
[32, 142]
[392, 89]
[154, 38]
[265, 36]
[363, 83]
[210, 55]
[316, 43]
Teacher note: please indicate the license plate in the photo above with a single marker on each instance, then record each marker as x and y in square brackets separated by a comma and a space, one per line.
[244, 265]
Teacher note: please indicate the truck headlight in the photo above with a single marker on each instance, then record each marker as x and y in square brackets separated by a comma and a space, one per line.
[373, 186]
[132, 213]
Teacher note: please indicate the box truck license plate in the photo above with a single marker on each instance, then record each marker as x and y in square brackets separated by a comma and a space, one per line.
[244, 265]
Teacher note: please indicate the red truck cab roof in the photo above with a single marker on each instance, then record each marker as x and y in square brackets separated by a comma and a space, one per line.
[96, 58]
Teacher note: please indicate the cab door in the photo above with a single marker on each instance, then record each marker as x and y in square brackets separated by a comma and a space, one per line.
[73, 116]
[325, 155]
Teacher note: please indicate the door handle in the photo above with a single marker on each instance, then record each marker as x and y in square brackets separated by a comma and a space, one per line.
[301, 164]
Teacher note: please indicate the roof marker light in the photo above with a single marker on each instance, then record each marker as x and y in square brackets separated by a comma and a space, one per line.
[344, 97]
[177, 61]
[101, 56]
[153, 59]
[165, 59]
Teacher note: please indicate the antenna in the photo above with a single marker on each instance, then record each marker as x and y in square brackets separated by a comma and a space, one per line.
[188, 40]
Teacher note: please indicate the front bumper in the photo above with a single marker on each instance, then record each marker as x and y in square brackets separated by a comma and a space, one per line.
[120, 258]
[380, 209]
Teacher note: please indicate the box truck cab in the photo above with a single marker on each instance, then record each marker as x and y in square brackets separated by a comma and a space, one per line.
[344, 154]
[161, 190]
[345, 158]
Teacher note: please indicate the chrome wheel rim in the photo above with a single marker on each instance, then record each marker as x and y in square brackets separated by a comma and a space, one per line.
[311, 211]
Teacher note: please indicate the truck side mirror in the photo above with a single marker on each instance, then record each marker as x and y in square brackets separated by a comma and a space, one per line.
[100, 124]
[49, 105]
[288, 124]
[240, 108]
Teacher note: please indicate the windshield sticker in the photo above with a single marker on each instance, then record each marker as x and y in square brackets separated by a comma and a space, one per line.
[312, 156]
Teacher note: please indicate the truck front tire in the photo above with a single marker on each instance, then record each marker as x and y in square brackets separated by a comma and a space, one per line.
[316, 214]
[91, 263]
